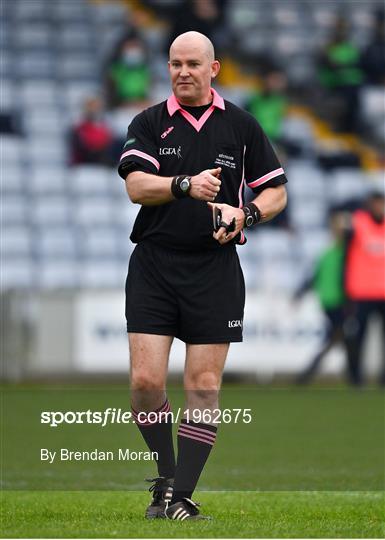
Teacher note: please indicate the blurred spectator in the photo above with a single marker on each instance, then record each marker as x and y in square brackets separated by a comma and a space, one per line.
[341, 75]
[127, 74]
[373, 58]
[365, 280]
[91, 140]
[205, 16]
[9, 123]
[269, 106]
[327, 282]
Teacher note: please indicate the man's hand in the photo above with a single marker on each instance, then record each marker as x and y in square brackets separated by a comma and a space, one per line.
[205, 185]
[228, 213]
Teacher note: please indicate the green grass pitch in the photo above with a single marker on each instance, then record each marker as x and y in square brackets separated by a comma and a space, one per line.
[236, 515]
[309, 465]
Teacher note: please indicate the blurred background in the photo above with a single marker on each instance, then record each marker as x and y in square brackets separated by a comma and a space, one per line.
[73, 75]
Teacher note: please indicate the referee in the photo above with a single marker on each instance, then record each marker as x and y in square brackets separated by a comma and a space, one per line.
[184, 160]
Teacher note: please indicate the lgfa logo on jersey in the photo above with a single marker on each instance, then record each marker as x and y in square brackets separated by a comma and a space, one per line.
[171, 152]
[235, 324]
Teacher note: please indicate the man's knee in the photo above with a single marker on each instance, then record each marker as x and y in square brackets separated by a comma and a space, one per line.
[204, 381]
[145, 381]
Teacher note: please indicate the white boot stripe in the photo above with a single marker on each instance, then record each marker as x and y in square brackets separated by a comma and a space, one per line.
[185, 517]
[177, 512]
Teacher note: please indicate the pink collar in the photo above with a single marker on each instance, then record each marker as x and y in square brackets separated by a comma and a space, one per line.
[173, 105]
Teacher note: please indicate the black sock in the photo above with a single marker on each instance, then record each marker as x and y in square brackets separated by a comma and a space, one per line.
[157, 432]
[195, 441]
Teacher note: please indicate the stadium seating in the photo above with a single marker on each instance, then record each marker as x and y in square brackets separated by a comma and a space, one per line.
[66, 227]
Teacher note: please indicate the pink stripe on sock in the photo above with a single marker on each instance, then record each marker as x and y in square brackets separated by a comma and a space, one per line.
[192, 435]
[196, 438]
[198, 430]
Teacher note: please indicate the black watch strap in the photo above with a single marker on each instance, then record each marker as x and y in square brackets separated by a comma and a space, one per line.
[180, 186]
[252, 214]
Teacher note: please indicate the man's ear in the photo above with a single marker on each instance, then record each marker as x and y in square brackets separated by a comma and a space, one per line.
[215, 67]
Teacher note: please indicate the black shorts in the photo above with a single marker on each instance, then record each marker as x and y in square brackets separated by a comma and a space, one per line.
[196, 297]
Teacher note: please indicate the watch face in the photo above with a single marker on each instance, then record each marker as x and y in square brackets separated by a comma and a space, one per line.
[184, 185]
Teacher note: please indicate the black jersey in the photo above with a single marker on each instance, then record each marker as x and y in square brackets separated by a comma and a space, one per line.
[167, 140]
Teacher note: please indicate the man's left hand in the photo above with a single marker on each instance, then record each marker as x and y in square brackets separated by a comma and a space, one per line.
[228, 213]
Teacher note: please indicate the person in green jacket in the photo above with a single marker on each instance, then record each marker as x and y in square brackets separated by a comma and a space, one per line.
[269, 106]
[341, 74]
[327, 282]
[128, 75]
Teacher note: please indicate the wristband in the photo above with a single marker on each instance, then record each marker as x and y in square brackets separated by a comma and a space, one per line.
[252, 214]
[180, 186]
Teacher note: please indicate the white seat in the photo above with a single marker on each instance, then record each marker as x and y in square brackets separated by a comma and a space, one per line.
[50, 210]
[11, 178]
[346, 184]
[305, 179]
[70, 11]
[298, 130]
[8, 94]
[75, 36]
[12, 149]
[77, 67]
[89, 179]
[16, 273]
[242, 15]
[14, 209]
[15, 240]
[312, 215]
[312, 245]
[35, 93]
[27, 35]
[102, 273]
[57, 241]
[49, 179]
[35, 65]
[125, 212]
[44, 121]
[76, 92]
[44, 151]
[270, 243]
[119, 119]
[7, 63]
[25, 9]
[100, 242]
[110, 12]
[54, 273]
[94, 211]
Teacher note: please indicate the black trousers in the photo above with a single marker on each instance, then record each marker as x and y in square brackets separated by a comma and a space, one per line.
[360, 313]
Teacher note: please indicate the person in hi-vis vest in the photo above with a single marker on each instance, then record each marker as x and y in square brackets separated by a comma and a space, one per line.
[365, 281]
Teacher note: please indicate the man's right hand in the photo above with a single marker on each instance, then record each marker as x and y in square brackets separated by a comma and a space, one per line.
[206, 185]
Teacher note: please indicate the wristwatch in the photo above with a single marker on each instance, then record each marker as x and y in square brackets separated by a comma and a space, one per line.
[252, 214]
[185, 185]
[180, 186]
[249, 220]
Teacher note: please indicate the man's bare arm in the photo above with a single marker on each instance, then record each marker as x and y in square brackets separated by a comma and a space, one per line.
[148, 189]
[151, 190]
[271, 202]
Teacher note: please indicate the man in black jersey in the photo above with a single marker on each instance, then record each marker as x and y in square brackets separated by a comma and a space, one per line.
[183, 159]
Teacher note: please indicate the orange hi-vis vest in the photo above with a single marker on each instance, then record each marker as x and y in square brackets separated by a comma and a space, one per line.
[365, 263]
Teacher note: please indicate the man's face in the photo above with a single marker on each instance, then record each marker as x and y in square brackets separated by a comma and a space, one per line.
[191, 71]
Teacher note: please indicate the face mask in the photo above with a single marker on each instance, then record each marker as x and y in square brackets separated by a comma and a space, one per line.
[133, 57]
